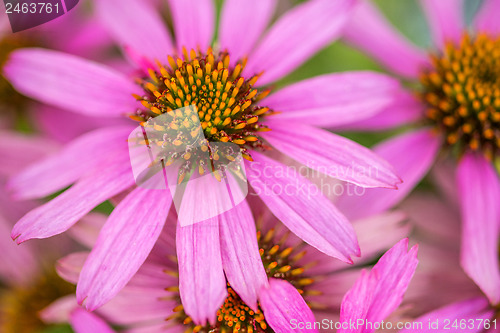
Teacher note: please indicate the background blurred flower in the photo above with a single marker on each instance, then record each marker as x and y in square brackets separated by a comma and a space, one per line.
[457, 102]
[28, 279]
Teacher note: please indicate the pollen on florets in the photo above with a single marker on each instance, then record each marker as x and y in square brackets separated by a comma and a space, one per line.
[281, 262]
[218, 105]
[462, 92]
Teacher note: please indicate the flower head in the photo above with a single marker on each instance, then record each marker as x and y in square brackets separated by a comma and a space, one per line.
[231, 108]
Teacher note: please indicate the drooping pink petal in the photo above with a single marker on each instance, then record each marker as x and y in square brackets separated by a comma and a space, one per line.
[334, 99]
[123, 245]
[86, 322]
[331, 154]
[70, 266]
[404, 110]
[194, 23]
[442, 319]
[446, 20]
[202, 285]
[240, 253]
[368, 30]
[242, 23]
[487, 18]
[18, 264]
[63, 168]
[411, 154]
[479, 189]
[64, 126]
[87, 229]
[71, 83]
[133, 305]
[59, 214]
[284, 308]
[18, 151]
[301, 206]
[376, 294]
[138, 26]
[296, 36]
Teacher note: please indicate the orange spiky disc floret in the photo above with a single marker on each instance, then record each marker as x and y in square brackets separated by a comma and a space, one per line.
[280, 262]
[215, 95]
[462, 92]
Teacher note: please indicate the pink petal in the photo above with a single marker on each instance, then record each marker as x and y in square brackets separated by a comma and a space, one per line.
[76, 158]
[70, 266]
[85, 322]
[475, 309]
[58, 312]
[284, 308]
[194, 23]
[331, 154]
[71, 83]
[59, 214]
[242, 23]
[202, 284]
[240, 253]
[334, 99]
[487, 18]
[446, 20]
[379, 232]
[66, 126]
[137, 25]
[20, 150]
[87, 229]
[296, 36]
[376, 294]
[404, 110]
[134, 305]
[302, 208]
[123, 245]
[411, 154]
[17, 263]
[371, 32]
[479, 188]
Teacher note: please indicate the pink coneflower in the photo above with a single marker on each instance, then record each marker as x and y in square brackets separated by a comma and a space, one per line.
[301, 279]
[458, 104]
[235, 110]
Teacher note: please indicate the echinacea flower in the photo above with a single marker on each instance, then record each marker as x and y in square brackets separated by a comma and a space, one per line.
[456, 102]
[301, 279]
[27, 275]
[224, 82]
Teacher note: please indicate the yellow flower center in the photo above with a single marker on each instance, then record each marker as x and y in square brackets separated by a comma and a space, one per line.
[462, 92]
[201, 100]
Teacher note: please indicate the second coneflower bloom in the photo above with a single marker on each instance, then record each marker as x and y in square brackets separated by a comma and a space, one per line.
[455, 100]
